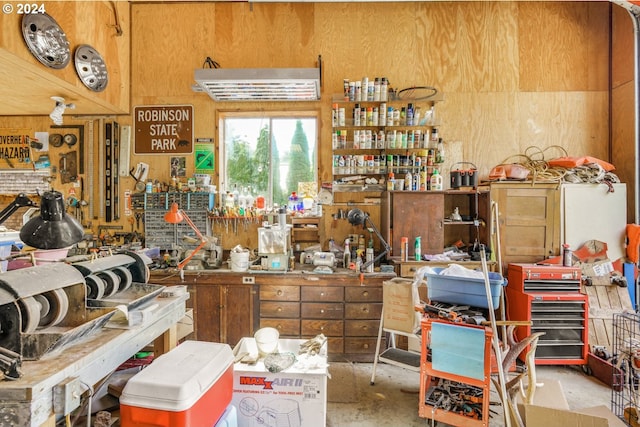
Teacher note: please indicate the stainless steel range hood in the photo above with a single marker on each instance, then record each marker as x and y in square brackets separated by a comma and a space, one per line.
[259, 84]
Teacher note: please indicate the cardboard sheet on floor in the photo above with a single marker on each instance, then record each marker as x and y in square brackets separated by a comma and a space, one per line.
[551, 409]
[599, 416]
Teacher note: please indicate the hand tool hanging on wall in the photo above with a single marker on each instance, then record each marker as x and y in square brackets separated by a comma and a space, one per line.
[68, 166]
[108, 132]
[71, 140]
[111, 130]
[114, 171]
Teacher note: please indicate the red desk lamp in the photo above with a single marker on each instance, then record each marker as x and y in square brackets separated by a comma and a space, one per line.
[176, 216]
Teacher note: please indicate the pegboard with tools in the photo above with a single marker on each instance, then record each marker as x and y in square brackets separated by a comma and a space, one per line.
[161, 234]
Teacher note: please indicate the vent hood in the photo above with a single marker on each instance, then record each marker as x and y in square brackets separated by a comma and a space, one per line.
[259, 84]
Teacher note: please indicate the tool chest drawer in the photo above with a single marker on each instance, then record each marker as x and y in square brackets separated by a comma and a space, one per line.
[362, 294]
[550, 298]
[286, 327]
[363, 310]
[282, 309]
[331, 328]
[359, 345]
[322, 293]
[279, 293]
[361, 328]
[322, 310]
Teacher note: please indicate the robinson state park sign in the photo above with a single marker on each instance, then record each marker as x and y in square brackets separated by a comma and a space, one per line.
[163, 129]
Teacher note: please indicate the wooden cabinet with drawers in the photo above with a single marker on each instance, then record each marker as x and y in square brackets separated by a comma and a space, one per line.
[224, 309]
[363, 308]
[298, 305]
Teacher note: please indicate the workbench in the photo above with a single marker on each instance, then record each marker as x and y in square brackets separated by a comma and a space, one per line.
[345, 306]
[29, 401]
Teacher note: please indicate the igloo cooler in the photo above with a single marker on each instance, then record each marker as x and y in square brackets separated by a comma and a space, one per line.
[192, 385]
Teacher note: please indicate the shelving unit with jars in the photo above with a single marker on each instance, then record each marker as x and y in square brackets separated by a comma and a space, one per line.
[374, 140]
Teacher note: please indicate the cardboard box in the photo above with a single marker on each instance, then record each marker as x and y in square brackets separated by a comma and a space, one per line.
[551, 409]
[189, 386]
[399, 297]
[294, 397]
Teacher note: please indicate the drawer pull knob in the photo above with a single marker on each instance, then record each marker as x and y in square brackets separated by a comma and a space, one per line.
[365, 293]
[322, 310]
[321, 294]
[279, 293]
[279, 309]
[365, 309]
[322, 328]
[365, 346]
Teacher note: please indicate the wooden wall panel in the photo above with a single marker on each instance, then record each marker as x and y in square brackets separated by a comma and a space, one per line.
[559, 44]
[625, 152]
[622, 45]
[624, 147]
[168, 43]
[84, 22]
[469, 46]
[261, 36]
[514, 74]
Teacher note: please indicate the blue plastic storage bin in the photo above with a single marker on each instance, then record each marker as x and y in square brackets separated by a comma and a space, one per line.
[463, 290]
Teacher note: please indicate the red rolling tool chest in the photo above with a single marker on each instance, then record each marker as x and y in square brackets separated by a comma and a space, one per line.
[550, 297]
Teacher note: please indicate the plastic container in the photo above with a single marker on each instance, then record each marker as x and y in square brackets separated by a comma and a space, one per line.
[5, 251]
[436, 181]
[192, 385]
[267, 340]
[463, 290]
[229, 418]
[239, 261]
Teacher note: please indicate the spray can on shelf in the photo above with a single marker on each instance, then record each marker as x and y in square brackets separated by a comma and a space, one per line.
[369, 258]
[404, 249]
[567, 255]
[346, 257]
[417, 248]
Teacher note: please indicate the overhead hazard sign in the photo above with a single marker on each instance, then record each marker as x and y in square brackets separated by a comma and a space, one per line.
[163, 129]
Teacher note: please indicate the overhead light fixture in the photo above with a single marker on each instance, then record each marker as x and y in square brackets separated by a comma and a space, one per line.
[53, 228]
[259, 84]
[58, 110]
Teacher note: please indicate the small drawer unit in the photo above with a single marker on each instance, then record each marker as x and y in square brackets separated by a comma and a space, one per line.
[550, 298]
[280, 309]
[363, 308]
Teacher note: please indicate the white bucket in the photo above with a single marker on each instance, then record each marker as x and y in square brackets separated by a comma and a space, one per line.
[239, 261]
[267, 340]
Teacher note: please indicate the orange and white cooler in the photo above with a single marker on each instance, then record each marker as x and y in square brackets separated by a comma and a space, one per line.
[192, 385]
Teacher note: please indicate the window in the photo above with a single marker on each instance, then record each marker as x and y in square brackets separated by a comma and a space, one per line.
[268, 154]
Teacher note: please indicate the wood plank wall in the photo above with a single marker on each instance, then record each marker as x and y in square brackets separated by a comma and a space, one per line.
[514, 74]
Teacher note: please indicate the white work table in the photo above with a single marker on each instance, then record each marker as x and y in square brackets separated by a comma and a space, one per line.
[29, 401]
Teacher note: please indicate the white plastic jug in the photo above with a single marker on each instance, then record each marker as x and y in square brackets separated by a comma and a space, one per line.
[436, 181]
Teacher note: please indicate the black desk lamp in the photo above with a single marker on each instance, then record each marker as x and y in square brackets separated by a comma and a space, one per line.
[53, 228]
[20, 201]
[357, 217]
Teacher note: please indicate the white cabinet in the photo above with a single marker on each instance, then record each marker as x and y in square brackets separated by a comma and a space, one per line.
[594, 212]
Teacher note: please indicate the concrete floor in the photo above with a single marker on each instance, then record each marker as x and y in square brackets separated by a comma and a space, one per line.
[393, 400]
